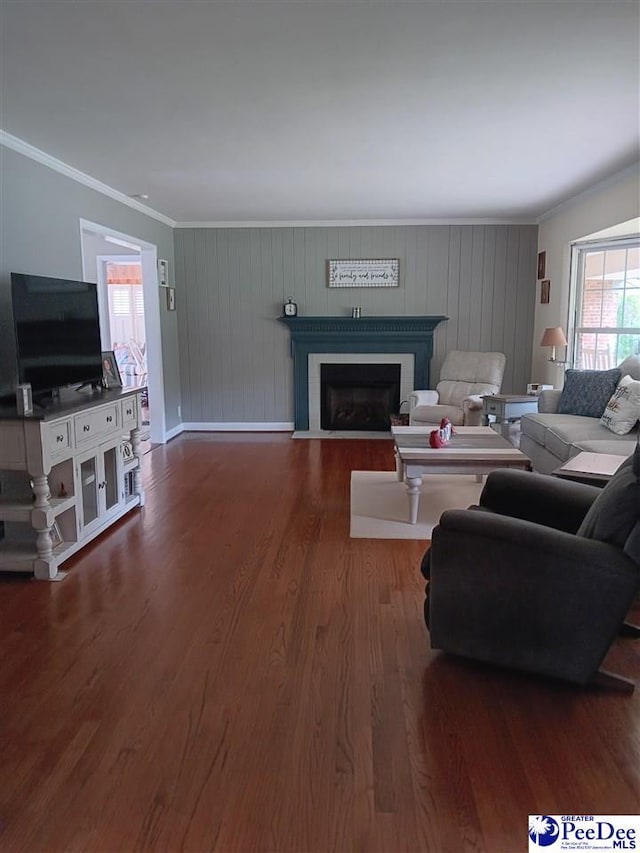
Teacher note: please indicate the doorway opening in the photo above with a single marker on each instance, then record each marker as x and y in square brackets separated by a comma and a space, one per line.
[125, 270]
[121, 284]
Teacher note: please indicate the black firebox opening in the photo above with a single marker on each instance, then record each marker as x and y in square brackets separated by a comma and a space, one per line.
[358, 396]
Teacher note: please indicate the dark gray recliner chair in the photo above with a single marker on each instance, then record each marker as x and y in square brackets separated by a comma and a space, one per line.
[540, 576]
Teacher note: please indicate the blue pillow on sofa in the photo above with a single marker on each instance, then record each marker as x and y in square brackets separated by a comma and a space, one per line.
[587, 392]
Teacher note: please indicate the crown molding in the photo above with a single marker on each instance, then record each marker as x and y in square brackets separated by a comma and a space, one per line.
[634, 168]
[22, 147]
[28, 150]
[350, 223]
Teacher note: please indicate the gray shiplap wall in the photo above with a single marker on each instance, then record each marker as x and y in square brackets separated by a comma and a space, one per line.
[231, 283]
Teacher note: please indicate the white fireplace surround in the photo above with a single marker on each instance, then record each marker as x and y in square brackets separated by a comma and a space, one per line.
[404, 359]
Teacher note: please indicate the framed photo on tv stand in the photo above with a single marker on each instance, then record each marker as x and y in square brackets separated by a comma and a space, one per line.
[110, 374]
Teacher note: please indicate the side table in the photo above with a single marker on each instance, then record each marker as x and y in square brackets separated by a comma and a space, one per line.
[507, 408]
[594, 469]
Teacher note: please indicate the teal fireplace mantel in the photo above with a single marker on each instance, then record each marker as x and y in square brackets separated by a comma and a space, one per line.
[413, 334]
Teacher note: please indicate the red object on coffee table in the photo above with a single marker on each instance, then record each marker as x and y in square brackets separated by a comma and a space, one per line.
[440, 437]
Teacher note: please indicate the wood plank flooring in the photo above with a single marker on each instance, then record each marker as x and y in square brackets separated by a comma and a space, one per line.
[227, 670]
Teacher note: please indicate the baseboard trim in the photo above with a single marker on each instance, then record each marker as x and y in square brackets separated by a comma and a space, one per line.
[173, 432]
[238, 426]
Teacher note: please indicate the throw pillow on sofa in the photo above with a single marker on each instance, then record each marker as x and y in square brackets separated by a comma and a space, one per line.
[587, 392]
[623, 409]
[630, 367]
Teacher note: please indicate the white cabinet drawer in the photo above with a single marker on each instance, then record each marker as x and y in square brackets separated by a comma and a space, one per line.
[58, 438]
[96, 423]
[130, 413]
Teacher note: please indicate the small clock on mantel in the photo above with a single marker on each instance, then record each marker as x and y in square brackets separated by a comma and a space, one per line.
[290, 308]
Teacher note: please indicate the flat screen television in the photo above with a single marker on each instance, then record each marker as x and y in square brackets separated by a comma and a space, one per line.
[57, 331]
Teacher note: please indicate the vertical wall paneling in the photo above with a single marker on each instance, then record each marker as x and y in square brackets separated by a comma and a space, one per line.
[464, 290]
[211, 376]
[240, 319]
[210, 309]
[409, 273]
[488, 272]
[192, 393]
[259, 381]
[499, 286]
[525, 305]
[225, 325]
[235, 358]
[453, 295]
[202, 330]
[437, 263]
[242, 297]
[510, 333]
[178, 251]
[476, 294]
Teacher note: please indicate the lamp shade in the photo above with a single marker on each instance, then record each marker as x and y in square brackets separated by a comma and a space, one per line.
[553, 337]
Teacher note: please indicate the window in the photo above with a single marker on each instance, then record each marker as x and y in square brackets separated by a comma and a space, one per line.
[120, 301]
[126, 317]
[607, 303]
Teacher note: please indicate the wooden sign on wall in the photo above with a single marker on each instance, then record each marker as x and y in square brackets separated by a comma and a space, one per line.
[363, 273]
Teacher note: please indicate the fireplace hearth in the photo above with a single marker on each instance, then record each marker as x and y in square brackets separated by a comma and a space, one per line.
[358, 396]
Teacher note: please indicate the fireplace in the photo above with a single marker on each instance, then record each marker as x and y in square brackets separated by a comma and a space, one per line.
[407, 341]
[358, 396]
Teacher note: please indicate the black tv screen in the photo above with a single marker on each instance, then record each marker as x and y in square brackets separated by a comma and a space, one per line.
[57, 331]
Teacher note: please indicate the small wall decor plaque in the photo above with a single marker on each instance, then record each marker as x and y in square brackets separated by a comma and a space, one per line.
[364, 273]
[542, 263]
[163, 273]
[545, 291]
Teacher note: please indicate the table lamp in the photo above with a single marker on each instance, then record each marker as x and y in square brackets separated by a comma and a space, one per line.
[554, 337]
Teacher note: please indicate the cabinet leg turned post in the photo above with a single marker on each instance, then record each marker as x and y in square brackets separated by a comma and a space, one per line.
[137, 474]
[41, 492]
[45, 566]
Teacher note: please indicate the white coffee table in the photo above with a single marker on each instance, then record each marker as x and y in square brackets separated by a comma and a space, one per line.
[472, 450]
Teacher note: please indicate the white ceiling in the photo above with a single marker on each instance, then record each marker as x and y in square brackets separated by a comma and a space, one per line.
[318, 110]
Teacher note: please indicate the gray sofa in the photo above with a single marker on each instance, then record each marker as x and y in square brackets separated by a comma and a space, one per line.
[549, 438]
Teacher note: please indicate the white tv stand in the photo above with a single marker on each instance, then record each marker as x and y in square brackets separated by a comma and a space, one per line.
[64, 470]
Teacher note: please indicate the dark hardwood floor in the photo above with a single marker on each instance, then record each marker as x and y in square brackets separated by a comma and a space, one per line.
[227, 670]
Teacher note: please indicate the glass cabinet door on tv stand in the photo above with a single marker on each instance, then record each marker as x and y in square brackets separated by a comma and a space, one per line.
[99, 485]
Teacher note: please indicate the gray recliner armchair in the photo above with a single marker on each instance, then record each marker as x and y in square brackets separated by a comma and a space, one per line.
[540, 576]
[464, 378]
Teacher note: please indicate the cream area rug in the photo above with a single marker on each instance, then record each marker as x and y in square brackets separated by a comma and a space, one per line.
[380, 503]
